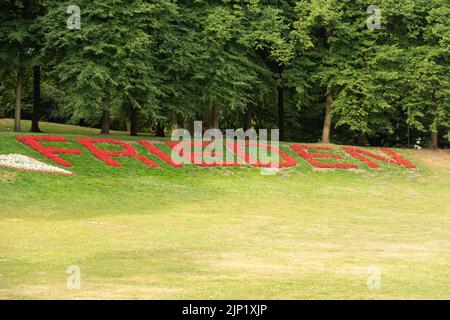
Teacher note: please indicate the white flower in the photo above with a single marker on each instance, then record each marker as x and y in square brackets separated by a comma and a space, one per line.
[21, 162]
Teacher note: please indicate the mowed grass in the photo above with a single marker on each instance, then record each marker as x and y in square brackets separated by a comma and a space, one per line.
[223, 233]
[6, 125]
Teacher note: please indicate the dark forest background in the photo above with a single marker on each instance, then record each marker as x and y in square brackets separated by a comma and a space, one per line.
[340, 71]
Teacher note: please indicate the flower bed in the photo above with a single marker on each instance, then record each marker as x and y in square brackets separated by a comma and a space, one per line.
[21, 162]
[362, 155]
[204, 154]
[107, 156]
[310, 157]
[49, 152]
[193, 155]
[238, 148]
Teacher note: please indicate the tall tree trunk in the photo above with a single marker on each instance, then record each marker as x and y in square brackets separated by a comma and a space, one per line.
[248, 118]
[133, 122]
[17, 116]
[215, 117]
[36, 99]
[360, 141]
[189, 125]
[105, 122]
[207, 118]
[327, 122]
[180, 122]
[434, 140]
[160, 130]
[281, 115]
[280, 104]
[434, 130]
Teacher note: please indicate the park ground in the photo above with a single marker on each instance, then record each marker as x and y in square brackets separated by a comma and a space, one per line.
[221, 233]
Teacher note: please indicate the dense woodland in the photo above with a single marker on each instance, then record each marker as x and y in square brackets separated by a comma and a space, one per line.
[312, 68]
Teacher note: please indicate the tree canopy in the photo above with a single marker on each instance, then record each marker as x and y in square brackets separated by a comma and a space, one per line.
[320, 70]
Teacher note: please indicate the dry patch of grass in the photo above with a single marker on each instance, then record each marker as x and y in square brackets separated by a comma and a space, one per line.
[438, 159]
[197, 233]
[7, 177]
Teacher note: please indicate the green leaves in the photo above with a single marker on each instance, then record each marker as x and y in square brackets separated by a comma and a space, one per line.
[176, 57]
[375, 75]
[111, 60]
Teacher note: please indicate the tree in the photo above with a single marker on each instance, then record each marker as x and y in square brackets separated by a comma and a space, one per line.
[421, 31]
[36, 98]
[18, 44]
[270, 26]
[109, 61]
[312, 68]
[332, 32]
[223, 65]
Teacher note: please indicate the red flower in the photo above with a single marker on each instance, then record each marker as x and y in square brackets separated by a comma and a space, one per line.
[49, 152]
[107, 156]
[311, 157]
[184, 149]
[237, 147]
[362, 155]
[194, 152]
[152, 149]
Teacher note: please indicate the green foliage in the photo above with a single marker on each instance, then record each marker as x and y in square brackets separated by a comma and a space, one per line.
[110, 60]
[374, 75]
[172, 59]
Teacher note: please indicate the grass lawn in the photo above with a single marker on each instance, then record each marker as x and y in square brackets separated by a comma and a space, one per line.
[221, 233]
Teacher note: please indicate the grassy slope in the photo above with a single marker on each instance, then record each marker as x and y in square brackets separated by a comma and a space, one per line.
[223, 233]
[6, 125]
